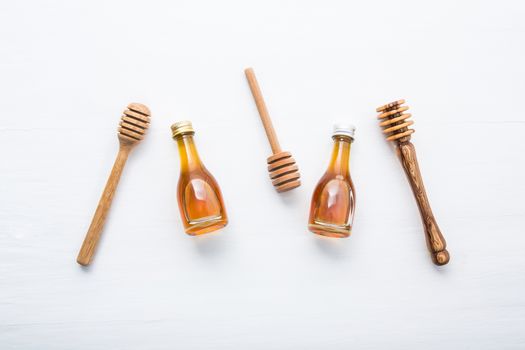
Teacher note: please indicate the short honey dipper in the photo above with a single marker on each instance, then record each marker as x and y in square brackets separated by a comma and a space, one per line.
[396, 127]
[284, 173]
[133, 125]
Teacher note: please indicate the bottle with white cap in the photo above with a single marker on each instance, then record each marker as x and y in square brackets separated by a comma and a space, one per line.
[333, 201]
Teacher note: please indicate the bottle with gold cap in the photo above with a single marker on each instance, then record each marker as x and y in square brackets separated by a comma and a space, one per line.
[200, 199]
[333, 202]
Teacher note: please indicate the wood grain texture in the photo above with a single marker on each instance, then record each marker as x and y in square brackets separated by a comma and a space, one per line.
[281, 165]
[92, 238]
[435, 242]
[284, 173]
[132, 128]
[396, 127]
[263, 111]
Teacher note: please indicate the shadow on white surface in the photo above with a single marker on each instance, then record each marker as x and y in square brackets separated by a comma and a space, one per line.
[213, 244]
[290, 198]
[85, 269]
[334, 248]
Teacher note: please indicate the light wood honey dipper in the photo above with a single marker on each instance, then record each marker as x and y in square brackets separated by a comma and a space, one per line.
[133, 125]
[396, 127]
[284, 173]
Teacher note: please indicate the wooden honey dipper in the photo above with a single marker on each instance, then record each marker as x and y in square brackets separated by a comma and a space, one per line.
[133, 125]
[396, 127]
[284, 173]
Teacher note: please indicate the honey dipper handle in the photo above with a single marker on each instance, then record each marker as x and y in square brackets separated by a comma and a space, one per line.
[435, 242]
[263, 111]
[97, 223]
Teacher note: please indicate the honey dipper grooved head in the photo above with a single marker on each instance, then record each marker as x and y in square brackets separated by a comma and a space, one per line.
[394, 121]
[284, 173]
[134, 123]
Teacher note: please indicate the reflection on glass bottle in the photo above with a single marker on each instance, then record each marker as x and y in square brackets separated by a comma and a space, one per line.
[333, 201]
[199, 196]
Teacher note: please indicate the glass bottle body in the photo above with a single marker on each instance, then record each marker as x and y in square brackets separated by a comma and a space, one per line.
[199, 197]
[333, 201]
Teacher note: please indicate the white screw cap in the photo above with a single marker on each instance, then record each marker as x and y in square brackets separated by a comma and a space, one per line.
[344, 129]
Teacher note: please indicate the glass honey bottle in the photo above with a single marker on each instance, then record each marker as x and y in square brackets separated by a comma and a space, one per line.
[333, 200]
[199, 196]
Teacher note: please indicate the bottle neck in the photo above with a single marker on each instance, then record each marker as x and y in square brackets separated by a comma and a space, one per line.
[189, 157]
[340, 160]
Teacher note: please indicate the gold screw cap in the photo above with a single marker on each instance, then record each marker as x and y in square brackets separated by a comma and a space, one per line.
[181, 128]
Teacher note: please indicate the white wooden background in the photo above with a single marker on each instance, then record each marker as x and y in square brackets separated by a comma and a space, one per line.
[68, 69]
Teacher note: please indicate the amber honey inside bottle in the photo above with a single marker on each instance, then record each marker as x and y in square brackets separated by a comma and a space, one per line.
[333, 200]
[199, 197]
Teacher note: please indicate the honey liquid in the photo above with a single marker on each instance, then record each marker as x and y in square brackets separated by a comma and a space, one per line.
[200, 199]
[333, 201]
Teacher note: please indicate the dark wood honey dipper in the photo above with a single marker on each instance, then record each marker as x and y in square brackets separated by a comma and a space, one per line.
[284, 173]
[133, 125]
[396, 127]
